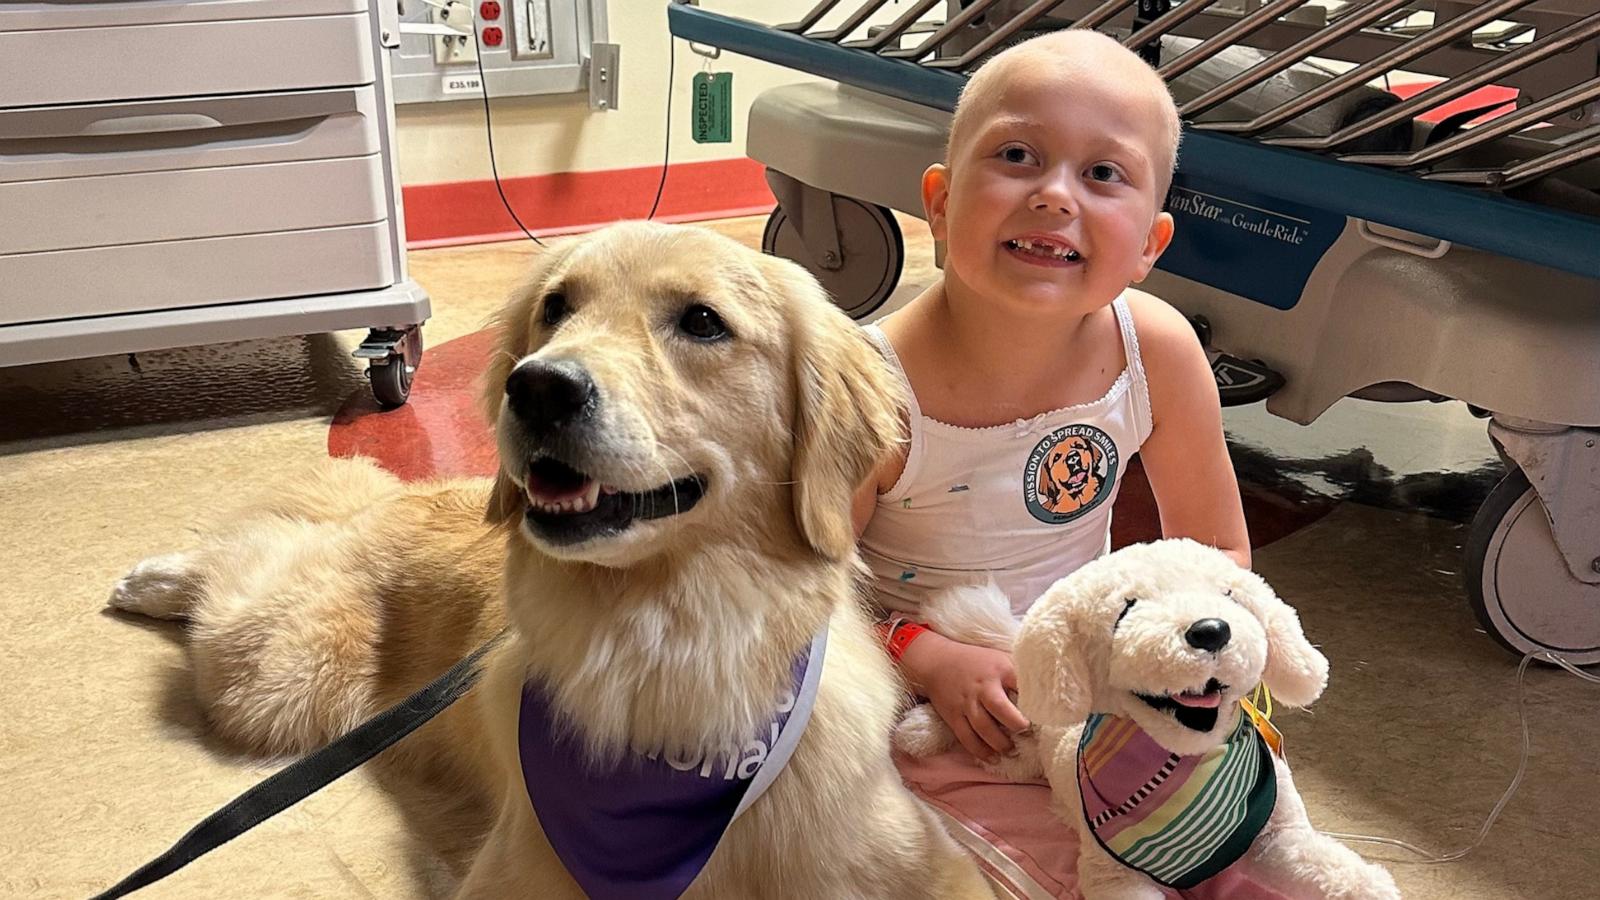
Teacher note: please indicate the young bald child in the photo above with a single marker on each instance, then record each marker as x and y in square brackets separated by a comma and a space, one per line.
[1036, 373]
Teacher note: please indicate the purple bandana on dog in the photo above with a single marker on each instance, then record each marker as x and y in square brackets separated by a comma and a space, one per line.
[645, 827]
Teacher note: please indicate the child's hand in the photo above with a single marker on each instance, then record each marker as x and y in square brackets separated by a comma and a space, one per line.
[967, 686]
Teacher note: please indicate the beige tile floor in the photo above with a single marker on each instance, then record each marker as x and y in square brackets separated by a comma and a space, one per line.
[104, 761]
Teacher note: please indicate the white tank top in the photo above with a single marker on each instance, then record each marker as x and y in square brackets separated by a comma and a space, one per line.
[1020, 505]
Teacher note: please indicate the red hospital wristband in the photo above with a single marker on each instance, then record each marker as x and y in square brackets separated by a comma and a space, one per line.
[901, 637]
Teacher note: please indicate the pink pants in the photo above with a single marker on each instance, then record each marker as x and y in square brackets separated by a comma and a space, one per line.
[1019, 841]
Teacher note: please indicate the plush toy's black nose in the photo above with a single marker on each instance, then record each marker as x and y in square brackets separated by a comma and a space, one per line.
[546, 395]
[1209, 634]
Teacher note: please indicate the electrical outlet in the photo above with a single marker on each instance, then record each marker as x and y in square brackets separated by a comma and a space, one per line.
[458, 48]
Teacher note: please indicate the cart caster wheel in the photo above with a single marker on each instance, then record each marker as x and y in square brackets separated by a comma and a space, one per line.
[870, 241]
[393, 356]
[1519, 584]
[391, 382]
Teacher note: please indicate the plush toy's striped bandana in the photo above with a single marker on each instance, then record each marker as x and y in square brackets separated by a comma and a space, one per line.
[645, 827]
[1178, 819]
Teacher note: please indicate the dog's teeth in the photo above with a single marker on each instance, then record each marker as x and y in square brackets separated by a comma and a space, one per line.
[591, 495]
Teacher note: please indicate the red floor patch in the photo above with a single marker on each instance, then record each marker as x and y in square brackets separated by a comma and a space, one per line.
[440, 434]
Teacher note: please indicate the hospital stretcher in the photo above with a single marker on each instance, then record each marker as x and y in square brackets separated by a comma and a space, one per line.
[1388, 199]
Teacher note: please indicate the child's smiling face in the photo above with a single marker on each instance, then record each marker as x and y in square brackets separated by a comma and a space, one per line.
[1052, 196]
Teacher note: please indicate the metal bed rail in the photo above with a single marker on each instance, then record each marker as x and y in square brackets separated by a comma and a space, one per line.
[1522, 182]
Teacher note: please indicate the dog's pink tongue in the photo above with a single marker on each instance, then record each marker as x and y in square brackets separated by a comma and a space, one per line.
[1199, 701]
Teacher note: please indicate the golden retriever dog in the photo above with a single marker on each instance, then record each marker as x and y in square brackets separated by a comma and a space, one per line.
[680, 423]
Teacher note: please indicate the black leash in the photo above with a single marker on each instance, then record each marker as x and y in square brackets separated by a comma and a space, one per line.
[294, 783]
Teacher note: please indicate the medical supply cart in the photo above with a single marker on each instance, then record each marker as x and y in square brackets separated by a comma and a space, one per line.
[176, 173]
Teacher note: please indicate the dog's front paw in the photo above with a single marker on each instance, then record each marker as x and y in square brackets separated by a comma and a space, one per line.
[162, 587]
[1305, 860]
[1360, 881]
[1372, 882]
[921, 733]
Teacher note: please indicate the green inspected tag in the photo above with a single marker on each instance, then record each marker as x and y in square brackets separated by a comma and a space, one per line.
[713, 107]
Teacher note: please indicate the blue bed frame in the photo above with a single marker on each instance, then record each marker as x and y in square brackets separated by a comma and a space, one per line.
[1470, 217]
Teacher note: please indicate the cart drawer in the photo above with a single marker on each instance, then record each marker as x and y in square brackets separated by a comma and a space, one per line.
[88, 52]
[101, 281]
[163, 135]
[69, 213]
[128, 184]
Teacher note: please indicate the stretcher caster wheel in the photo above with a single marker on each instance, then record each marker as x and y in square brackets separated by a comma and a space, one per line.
[871, 254]
[393, 356]
[1519, 584]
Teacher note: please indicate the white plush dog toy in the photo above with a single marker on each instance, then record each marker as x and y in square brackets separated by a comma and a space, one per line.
[1132, 671]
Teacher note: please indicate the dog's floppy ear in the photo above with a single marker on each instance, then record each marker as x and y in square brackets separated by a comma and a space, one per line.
[849, 411]
[513, 340]
[1053, 681]
[1296, 672]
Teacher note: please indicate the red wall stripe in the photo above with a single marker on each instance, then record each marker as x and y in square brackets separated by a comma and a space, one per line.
[461, 212]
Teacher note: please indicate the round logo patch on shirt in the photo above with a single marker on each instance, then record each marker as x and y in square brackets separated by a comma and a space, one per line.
[1068, 473]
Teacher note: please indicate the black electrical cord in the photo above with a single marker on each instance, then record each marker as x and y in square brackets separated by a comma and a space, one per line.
[488, 130]
[666, 151]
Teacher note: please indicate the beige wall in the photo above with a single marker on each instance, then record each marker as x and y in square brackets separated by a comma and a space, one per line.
[535, 135]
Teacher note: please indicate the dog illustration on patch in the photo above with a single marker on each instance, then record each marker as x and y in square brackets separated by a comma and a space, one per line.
[1068, 481]
[1070, 471]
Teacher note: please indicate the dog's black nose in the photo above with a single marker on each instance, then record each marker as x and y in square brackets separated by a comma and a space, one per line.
[546, 395]
[1209, 634]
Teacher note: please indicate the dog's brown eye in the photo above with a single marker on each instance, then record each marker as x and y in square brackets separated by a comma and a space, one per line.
[555, 309]
[702, 323]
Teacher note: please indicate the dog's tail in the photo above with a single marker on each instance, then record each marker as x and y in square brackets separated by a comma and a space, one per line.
[973, 614]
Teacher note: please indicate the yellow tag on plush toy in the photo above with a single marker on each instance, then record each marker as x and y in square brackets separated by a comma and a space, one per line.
[1264, 725]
